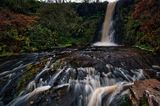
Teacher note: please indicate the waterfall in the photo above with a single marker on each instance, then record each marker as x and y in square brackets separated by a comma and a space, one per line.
[107, 38]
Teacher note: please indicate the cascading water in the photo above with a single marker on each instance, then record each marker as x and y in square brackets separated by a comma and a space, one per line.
[71, 78]
[87, 88]
[76, 77]
[107, 38]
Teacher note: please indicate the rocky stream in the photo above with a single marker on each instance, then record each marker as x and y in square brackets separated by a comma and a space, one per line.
[91, 76]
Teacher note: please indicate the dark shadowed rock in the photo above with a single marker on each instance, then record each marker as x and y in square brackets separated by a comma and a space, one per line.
[1, 103]
[156, 67]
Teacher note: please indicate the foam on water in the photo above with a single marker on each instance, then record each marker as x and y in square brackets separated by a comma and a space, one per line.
[112, 1]
[105, 44]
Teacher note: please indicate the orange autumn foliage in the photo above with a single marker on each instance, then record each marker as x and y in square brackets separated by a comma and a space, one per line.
[141, 6]
[12, 19]
[148, 13]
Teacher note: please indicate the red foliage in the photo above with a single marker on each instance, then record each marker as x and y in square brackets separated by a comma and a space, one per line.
[148, 13]
[20, 21]
[142, 6]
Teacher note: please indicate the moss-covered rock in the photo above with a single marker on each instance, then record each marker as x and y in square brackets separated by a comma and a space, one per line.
[29, 74]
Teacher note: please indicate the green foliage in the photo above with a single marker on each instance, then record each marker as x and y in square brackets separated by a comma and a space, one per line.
[31, 72]
[146, 47]
[75, 25]
[124, 101]
[58, 25]
[62, 19]
[42, 37]
[131, 33]
[144, 102]
[71, 28]
[57, 64]
[139, 25]
[12, 41]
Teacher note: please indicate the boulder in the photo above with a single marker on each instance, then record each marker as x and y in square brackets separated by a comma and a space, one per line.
[146, 92]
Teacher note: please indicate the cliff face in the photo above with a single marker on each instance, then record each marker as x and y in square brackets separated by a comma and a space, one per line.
[138, 23]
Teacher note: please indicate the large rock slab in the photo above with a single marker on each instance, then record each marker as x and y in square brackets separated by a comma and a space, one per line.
[146, 92]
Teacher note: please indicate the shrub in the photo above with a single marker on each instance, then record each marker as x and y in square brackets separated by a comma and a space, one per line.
[42, 37]
[12, 41]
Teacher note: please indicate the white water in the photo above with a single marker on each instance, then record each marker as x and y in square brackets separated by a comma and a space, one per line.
[104, 44]
[110, 91]
[25, 99]
[88, 86]
[107, 38]
[88, 90]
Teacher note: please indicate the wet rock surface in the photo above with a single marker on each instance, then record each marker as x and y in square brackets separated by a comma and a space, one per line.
[74, 77]
[146, 92]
